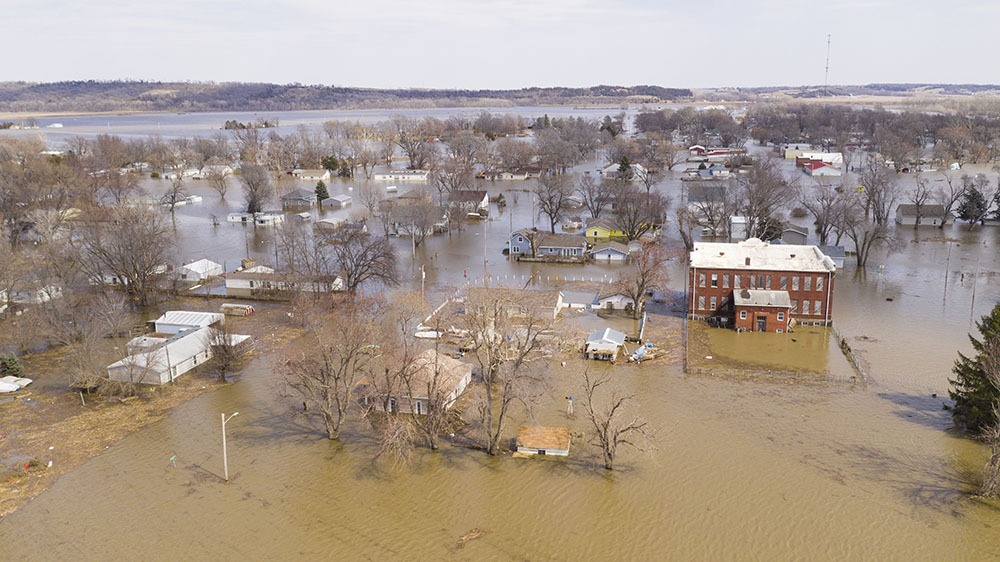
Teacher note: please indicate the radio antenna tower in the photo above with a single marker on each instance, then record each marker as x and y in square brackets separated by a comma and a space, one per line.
[826, 77]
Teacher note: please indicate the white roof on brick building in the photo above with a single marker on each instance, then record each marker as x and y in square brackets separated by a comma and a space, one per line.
[753, 254]
[751, 297]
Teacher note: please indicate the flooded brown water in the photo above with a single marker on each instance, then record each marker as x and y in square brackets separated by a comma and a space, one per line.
[740, 470]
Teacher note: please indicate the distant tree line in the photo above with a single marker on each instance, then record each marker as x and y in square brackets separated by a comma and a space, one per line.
[94, 95]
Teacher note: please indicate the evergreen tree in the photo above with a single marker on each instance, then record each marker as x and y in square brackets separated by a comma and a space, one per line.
[321, 192]
[10, 365]
[330, 163]
[972, 390]
[973, 206]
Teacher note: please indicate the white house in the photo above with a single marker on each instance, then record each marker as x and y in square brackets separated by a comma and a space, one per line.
[832, 158]
[209, 170]
[157, 361]
[576, 300]
[200, 270]
[609, 252]
[615, 301]
[604, 344]
[240, 217]
[311, 175]
[178, 321]
[263, 283]
[268, 218]
[337, 200]
[638, 171]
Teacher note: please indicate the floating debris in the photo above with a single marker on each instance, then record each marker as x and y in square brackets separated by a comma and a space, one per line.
[470, 536]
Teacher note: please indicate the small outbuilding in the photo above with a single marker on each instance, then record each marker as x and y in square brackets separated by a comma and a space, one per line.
[200, 270]
[604, 345]
[337, 201]
[538, 440]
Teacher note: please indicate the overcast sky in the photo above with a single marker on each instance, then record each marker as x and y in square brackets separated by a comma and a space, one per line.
[480, 44]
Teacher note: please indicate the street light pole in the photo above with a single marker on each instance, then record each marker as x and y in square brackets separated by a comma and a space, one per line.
[225, 457]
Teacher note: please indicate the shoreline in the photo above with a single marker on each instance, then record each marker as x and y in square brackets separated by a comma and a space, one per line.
[79, 437]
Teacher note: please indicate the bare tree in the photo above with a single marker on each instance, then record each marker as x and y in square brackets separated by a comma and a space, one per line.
[417, 219]
[505, 331]
[762, 194]
[135, 246]
[827, 205]
[257, 187]
[686, 222]
[175, 194]
[343, 344]
[363, 258]
[552, 192]
[919, 198]
[948, 197]
[227, 353]
[646, 271]
[596, 195]
[713, 205]
[412, 137]
[218, 177]
[637, 212]
[612, 425]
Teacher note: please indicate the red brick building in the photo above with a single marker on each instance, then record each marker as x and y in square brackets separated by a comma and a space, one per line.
[757, 286]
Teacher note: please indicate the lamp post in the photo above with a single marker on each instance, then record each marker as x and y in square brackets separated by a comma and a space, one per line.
[225, 457]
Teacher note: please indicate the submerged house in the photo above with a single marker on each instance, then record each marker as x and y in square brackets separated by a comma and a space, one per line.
[534, 244]
[538, 440]
[927, 215]
[433, 380]
[298, 199]
[470, 201]
[604, 345]
[311, 174]
[609, 252]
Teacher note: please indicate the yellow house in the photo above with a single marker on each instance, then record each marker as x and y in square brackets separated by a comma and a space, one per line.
[601, 230]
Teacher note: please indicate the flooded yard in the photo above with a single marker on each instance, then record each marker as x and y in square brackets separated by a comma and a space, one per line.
[737, 469]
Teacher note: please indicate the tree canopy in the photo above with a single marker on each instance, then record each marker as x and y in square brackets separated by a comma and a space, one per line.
[973, 390]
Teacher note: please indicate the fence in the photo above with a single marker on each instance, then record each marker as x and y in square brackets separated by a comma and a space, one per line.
[852, 358]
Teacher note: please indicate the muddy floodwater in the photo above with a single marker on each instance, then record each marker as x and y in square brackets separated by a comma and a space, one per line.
[816, 469]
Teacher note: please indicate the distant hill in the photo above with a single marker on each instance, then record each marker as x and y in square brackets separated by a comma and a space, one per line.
[88, 96]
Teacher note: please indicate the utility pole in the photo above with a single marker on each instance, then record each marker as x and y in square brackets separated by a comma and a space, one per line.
[826, 77]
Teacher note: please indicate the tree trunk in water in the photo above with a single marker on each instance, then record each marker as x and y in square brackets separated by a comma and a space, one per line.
[991, 482]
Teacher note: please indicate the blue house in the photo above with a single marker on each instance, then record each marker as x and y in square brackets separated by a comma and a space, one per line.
[547, 245]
